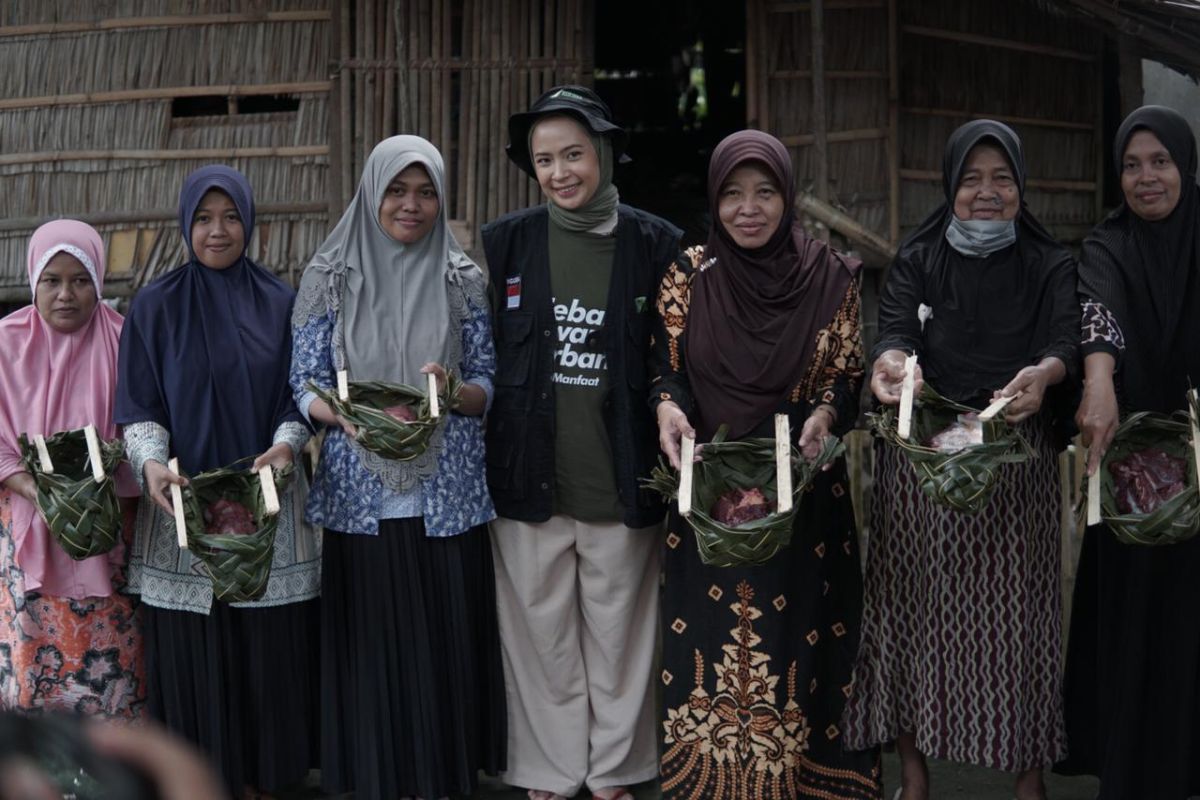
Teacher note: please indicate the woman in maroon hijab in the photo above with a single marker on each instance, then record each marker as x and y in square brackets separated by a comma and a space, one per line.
[757, 659]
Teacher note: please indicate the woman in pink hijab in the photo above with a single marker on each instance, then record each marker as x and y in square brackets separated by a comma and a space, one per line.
[68, 639]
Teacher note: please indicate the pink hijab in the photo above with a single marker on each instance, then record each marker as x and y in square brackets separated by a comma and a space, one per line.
[54, 382]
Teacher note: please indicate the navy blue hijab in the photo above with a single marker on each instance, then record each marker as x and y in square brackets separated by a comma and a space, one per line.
[205, 352]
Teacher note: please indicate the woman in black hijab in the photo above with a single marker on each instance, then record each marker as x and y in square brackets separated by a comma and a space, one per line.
[961, 642]
[1133, 669]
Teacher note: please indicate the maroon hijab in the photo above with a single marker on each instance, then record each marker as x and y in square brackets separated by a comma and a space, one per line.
[755, 314]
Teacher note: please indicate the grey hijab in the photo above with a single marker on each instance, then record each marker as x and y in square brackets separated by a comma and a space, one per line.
[398, 306]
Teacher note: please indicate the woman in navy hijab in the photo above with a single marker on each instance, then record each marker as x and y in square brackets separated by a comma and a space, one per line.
[203, 376]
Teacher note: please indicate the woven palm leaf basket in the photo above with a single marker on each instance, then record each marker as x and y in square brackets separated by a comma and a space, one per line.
[964, 480]
[746, 464]
[381, 432]
[239, 563]
[83, 515]
[1177, 519]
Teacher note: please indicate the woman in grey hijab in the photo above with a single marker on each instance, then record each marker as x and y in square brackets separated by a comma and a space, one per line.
[412, 691]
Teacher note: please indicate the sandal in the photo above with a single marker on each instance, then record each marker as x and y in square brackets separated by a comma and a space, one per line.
[612, 793]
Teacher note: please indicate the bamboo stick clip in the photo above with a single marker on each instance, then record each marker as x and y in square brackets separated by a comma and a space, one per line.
[687, 455]
[1093, 497]
[343, 381]
[996, 407]
[783, 464]
[93, 446]
[270, 497]
[434, 410]
[904, 424]
[177, 503]
[39, 443]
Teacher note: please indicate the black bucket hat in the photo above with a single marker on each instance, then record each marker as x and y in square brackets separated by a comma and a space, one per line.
[579, 102]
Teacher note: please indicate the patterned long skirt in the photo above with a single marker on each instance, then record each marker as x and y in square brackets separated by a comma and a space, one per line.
[80, 656]
[757, 664]
[961, 640]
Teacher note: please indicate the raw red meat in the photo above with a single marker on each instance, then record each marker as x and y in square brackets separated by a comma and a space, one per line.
[402, 413]
[739, 506]
[1144, 480]
[228, 516]
[967, 430]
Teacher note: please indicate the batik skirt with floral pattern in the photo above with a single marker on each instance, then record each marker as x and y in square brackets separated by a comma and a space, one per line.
[60, 654]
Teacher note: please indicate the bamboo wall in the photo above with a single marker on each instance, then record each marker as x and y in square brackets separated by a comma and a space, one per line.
[453, 71]
[87, 127]
[866, 92]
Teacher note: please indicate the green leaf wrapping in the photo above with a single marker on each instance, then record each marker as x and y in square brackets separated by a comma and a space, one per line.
[382, 433]
[965, 480]
[83, 516]
[238, 564]
[744, 464]
[1178, 518]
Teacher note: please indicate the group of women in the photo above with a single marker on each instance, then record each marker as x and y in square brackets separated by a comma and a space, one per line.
[497, 603]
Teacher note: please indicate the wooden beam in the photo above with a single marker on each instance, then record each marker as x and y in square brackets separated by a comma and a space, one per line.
[991, 41]
[207, 153]
[833, 137]
[831, 74]
[13, 224]
[844, 224]
[181, 21]
[163, 93]
[893, 142]
[830, 5]
[819, 121]
[1005, 118]
[1049, 184]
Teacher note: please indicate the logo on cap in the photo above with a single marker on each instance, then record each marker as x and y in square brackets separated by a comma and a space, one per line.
[570, 94]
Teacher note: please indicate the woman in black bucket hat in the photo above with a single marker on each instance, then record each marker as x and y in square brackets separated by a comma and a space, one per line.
[578, 539]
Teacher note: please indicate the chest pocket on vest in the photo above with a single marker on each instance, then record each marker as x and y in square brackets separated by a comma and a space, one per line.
[515, 346]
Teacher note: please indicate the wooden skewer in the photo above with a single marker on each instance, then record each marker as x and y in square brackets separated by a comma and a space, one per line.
[177, 502]
[783, 464]
[687, 454]
[39, 443]
[343, 385]
[270, 497]
[93, 445]
[1093, 493]
[996, 407]
[904, 425]
[434, 410]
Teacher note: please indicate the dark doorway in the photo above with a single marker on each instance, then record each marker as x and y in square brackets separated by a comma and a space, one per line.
[673, 73]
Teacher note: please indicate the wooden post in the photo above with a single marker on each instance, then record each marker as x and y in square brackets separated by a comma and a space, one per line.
[783, 464]
[687, 456]
[751, 56]
[893, 142]
[93, 446]
[345, 93]
[904, 425]
[266, 479]
[177, 504]
[39, 444]
[819, 119]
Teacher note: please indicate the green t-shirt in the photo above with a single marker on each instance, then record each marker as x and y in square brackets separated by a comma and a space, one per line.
[585, 482]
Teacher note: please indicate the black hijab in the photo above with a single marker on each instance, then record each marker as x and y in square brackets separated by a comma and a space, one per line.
[1145, 273]
[991, 316]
